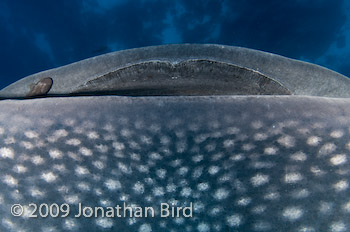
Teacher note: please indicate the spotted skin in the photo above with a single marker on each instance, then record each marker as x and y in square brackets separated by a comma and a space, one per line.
[246, 163]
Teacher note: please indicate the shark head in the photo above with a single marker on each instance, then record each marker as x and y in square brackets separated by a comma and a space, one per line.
[177, 138]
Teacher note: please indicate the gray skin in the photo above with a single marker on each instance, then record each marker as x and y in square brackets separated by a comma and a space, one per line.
[251, 67]
[277, 162]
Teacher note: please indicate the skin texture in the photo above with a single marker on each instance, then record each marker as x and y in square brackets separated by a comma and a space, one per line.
[247, 163]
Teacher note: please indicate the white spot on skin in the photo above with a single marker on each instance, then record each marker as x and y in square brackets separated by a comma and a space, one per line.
[124, 168]
[326, 207]
[260, 136]
[55, 154]
[57, 135]
[262, 226]
[135, 156]
[257, 124]
[248, 147]
[36, 193]
[186, 192]
[10, 180]
[270, 150]
[300, 193]
[112, 184]
[203, 186]
[83, 186]
[215, 211]
[101, 148]
[143, 168]
[161, 173]
[259, 165]
[259, 209]
[232, 130]
[237, 157]
[10, 140]
[80, 170]
[292, 213]
[92, 135]
[347, 146]
[292, 178]
[27, 145]
[346, 207]
[313, 141]
[317, 171]
[73, 142]
[70, 224]
[31, 134]
[327, 149]
[182, 171]
[244, 201]
[139, 188]
[145, 228]
[341, 185]
[299, 156]
[118, 146]
[203, 227]
[48, 177]
[60, 167]
[72, 199]
[126, 133]
[179, 221]
[286, 141]
[272, 196]
[74, 156]
[177, 163]
[37, 160]
[7, 153]
[221, 194]
[259, 179]
[60, 133]
[338, 227]
[234, 220]
[337, 134]
[197, 172]
[19, 169]
[210, 147]
[338, 159]
[105, 223]
[85, 151]
[229, 143]
[171, 188]
[306, 229]
[158, 191]
[197, 158]
[105, 202]
[9, 224]
[98, 164]
[213, 170]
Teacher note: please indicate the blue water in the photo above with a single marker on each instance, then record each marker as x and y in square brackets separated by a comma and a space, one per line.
[38, 35]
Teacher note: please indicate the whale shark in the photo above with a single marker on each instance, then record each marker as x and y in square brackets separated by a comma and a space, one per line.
[189, 137]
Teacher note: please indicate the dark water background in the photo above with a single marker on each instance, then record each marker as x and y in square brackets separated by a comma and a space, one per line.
[37, 35]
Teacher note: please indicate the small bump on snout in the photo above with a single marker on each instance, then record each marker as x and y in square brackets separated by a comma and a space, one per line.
[41, 88]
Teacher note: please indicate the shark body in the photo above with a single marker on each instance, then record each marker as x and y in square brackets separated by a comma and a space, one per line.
[175, 163]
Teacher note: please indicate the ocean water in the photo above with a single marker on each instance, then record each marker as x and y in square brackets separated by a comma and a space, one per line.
[38, 35]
